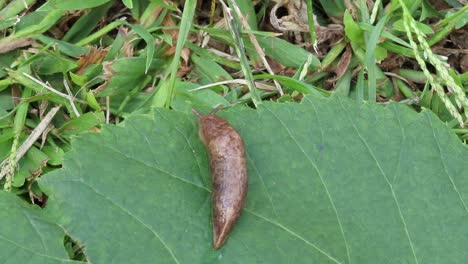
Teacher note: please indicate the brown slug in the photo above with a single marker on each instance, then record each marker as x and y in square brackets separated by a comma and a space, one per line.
[228, 172]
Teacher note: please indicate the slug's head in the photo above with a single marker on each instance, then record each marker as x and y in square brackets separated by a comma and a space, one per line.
[210, 126]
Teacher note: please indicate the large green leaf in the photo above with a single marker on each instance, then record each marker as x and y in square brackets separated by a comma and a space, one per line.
[330, 181]
[27, 236]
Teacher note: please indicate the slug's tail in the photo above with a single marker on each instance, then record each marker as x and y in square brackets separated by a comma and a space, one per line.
[221, 232]
[224, 219]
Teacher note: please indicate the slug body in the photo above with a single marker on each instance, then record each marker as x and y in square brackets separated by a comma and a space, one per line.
[228, 173]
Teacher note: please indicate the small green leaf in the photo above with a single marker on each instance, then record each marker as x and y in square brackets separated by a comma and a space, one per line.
[93, 103]
[54, 154]
[380, 53]
[6, 23]
[48, 63]
[5, 103]
[352, 30]
[126, 73]
[149, 43]
[167, 38]
[461, 21]
[426, 96]
[162, 93]
[31, 164]
[334, 8]
[86, 23]
[128, 3]
[292, 84]
[79, 79]
[62, 46]
[398, 25]
[209, 70]
[37, 22]
[277, 49]
[428, 11]
[81, 124]
[332, 54]
[344, 83]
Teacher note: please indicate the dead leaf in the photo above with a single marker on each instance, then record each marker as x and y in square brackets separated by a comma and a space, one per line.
[183, 71]
[169, 22]
[128, 46]
[464, 63]
[94, 56]
[15, 95]
[6, 46]
[106, 76]
[344, 62]
[295, 20]
[185, 54]
[49, 128]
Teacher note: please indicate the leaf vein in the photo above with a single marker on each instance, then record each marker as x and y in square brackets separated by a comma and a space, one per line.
[402, 218]
[148, 166]
[44, 247]
[270, 198]
[292, 233]
[443, 164]
[36, 253]
[402, 146]
[320, 176]
[123, 209]
[191, 148]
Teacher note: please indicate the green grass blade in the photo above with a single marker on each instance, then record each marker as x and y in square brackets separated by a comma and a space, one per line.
[18, 126]
[15, 7]
[86, 23]
[235, 23]
[332, 54]
[311, 20]
[334, 8]
[166, 90]
[293, 84]
[46, 23]
[103, 31]
[76, 4]
[370, 57]
[128, 3]
[360, 86]
[148, 38]
[248, 11]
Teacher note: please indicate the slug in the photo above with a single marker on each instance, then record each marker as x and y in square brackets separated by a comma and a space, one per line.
[228, 172]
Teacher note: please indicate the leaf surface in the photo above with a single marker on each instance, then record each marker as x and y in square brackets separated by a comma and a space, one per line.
[27, 235]
[330, 181]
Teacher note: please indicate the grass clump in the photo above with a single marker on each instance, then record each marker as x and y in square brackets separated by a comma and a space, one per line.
[102, 60]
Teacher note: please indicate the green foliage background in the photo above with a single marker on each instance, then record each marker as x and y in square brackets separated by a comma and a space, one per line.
[357, 159]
